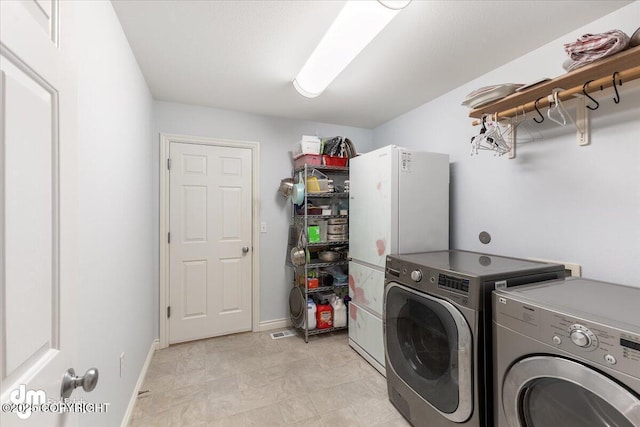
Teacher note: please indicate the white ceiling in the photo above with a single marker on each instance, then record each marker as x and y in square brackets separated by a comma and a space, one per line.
[243, 55]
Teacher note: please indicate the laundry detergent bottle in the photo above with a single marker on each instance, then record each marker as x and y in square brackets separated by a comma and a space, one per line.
[324, 315]
[311, 314]
[339, 313]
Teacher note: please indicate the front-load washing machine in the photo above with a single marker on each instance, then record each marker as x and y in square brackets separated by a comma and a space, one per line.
[437, 332]
[567, 355]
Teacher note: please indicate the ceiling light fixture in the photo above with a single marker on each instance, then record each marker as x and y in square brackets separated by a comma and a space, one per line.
[355, 26]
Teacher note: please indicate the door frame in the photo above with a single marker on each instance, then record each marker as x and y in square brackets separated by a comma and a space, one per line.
[165, 141]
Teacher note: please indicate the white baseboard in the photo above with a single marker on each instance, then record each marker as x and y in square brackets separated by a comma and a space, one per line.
[143, 373]
[274, 324]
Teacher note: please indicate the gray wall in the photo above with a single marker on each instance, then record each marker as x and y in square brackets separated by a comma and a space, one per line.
[116, 250]
[556, 200]
[276, 137]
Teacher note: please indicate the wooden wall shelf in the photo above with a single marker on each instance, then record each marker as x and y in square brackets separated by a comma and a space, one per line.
[627, 61]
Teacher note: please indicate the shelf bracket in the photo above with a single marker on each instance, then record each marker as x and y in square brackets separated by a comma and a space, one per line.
[583, 136]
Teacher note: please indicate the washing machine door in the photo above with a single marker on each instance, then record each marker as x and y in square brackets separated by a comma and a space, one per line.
[428, 346]
[544, 391]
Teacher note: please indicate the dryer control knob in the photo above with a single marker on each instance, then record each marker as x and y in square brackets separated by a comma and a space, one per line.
[580, 338]
[416, 275]
[583, 337]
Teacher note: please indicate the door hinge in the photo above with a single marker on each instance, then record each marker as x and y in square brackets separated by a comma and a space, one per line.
[169, 163]
[169, 237]
[168, 311]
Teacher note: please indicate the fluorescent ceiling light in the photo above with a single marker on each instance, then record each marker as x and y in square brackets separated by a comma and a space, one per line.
[356, 25]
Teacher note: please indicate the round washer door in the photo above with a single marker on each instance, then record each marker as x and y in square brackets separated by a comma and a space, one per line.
[428, 346]
[544, 391]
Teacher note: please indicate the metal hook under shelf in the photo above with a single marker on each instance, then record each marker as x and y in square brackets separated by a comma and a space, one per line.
[584, 91]
[616, 98]
[535, 104]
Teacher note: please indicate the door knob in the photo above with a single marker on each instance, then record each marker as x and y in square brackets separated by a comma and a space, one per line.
[245, 249]
[70, 381]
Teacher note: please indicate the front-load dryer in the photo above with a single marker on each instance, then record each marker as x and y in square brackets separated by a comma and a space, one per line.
[437, 332]
[567, 354]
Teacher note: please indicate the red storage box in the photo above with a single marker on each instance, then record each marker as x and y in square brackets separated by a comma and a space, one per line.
[335, 161]
[309, 159]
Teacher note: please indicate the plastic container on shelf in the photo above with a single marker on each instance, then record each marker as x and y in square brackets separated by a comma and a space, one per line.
[311, 314]
[339, 313]
[313, 233]
[328, 296]
[324, 315]
[312, 282]
[335, 161]
[309, 159]
[340, 279]
[307, 145]
[337, 221]
[322, 225]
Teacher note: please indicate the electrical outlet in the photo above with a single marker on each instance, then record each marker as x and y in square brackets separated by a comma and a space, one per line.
[122, 365]
[263, 227]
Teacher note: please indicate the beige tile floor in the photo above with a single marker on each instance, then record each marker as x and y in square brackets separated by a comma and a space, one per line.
[250, 379]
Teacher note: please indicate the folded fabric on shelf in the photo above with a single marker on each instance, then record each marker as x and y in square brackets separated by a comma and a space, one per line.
[486, 94]
[591, 47]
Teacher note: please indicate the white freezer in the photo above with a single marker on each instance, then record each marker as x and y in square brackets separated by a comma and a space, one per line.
[398, 203]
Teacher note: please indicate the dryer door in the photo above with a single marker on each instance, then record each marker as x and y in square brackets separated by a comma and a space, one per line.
[544, 391]
[428, 346]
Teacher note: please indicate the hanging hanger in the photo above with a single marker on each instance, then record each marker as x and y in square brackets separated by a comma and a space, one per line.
[531, 130]
[494, 139]
[535, 104]
[476, 140]
[584, 91]
[616, 98]
[562, 112]
[489, 138]
[557, 107]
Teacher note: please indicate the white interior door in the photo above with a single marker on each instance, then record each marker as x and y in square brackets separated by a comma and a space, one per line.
[210, 217]
[37, 231]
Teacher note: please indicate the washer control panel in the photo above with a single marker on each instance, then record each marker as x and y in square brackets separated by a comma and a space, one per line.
[616, 347]
[455, 288]
[601, 344]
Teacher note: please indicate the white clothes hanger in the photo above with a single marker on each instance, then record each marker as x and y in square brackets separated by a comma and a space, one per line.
[557, 107]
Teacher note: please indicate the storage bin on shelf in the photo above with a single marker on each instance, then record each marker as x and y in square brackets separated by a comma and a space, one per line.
[334, 160]
[309, 159]
[307, 145]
